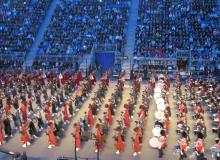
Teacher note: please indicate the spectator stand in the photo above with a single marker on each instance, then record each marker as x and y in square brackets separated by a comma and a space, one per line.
[203, 65]
[19, 26]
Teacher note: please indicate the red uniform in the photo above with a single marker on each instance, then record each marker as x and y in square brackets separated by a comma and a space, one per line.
[1, 134]
[65, 113]
[24, 135]
[199, 146]
[90, 117]
[24, 112]
[137, 140]
[109, 116]
[183, 144]
[119, 144]
[127, 120]
[51, 137]
[77, 136]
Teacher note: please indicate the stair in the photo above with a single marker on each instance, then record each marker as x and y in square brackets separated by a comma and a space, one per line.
[130, 38]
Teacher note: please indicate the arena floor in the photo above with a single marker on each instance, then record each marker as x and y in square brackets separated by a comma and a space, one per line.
[39, 149]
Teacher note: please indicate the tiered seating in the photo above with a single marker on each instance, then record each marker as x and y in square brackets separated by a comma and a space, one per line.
[204, 33]
[165, 26]
[20, 22]
[161, 28]
[77, 25]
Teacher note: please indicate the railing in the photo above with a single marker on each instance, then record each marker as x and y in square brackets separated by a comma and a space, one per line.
[106, 47]
[155, 61]
[55, 58]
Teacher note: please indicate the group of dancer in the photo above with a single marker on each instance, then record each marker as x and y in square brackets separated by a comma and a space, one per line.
[124, 123]
[36, 102]
[33, 102]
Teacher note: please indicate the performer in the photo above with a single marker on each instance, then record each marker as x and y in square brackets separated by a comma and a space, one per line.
[126, 118]
[8, 108]
[24, 111]
[70, 103]
[162, 143]
[25, 139]
[109, 113]
[51, 137]
[119, 145]
[48, 115]
[137, 138]
[65, 114]
[183, 147]
[153, 81]
[76, 135]
[142, 114]
[2, 141]
[32, 129]
[199, 146]
[90, 118]
[7, 127]
[98, 137]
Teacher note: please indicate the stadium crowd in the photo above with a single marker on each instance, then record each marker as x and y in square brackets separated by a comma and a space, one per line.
[75, 27]
[166, 26]
[20, 22]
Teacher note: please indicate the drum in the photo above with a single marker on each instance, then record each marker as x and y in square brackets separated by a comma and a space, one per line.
[159, 115]
[157, 90]
[157, 95]
[161, 76]
[161, 107]
[156, 131]
[154, 142]
[159, 101]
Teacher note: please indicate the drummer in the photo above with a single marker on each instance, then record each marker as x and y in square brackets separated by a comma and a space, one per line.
[99, 139]
[119, 141]
[183, 143]
[162, 143]
[137, 139]
[76, 135]
[126, 116]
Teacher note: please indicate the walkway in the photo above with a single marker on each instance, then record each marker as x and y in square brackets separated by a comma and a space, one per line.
[130, 39]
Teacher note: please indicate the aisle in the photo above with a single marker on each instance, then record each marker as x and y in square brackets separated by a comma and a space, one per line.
[88, 149]
[109, 150]
[129, 149]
